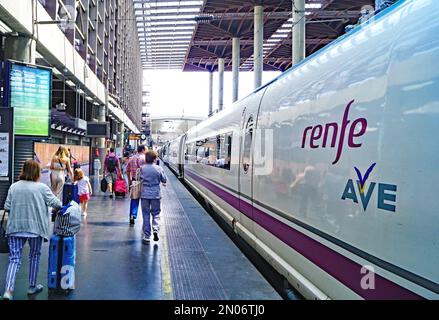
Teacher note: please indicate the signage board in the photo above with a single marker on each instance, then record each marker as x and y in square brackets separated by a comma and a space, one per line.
[6, 142]
[134, 136]
[98, 129]
[29, 91]
[4, 154]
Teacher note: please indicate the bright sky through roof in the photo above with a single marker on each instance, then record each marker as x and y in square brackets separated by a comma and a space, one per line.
[174, 93]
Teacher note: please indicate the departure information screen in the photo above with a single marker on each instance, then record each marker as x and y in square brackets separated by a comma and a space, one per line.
[29, 95]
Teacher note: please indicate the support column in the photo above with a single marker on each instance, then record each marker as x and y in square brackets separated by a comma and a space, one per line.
[298, 32]
[21, 48]
[258, 45]
[120, 135]
[210, 93]
[220, 84]
[101, 141]
[236, 57]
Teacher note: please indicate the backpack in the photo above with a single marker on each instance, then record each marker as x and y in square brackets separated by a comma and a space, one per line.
[111, 164]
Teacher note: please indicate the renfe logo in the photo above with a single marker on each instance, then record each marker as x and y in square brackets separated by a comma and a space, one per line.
[318, 131]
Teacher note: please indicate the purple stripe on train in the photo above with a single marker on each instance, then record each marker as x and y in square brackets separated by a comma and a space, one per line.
[337, 265]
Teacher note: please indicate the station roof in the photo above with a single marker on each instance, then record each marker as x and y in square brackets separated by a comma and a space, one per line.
[192, 34]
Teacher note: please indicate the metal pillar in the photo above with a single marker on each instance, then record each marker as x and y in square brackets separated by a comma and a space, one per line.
[20, 48]
[210, 93]
[120, 135]
[298, 31]
[258, 45]
[235, 65]
[220, 84]
[101, 141]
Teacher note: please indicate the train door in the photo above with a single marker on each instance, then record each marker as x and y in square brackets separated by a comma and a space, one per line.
[246, 167]
[181, 156]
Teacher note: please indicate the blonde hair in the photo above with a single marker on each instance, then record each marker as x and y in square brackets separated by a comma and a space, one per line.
[62, 152]
[78, 175]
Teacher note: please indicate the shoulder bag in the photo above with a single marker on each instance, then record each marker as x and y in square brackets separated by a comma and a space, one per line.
[136, 187]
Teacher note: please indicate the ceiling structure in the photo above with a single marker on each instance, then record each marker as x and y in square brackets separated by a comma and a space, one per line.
[192, 34]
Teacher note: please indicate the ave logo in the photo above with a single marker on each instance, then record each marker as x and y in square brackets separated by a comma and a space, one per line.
[386, 199]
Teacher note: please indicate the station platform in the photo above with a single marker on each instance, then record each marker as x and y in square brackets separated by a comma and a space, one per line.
[193, 260]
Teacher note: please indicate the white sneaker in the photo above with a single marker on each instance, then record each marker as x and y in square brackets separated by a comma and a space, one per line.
[146, 240]
[84, 214]
[34, 290]
[7, 295]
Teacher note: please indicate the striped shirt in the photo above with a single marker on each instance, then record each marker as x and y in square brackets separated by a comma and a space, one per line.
[135, 163]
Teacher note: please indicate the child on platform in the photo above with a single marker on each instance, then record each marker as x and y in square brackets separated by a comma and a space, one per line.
[84, 190]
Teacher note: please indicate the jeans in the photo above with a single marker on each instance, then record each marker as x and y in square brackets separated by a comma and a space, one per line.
[134, 207]
[150, 207]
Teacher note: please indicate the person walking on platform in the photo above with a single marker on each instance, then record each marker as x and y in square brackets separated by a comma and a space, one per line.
[111, 170]
[124, 165]
[59, 164]
[28, 203]
[151, 176]
[84, 190]
[134, 164]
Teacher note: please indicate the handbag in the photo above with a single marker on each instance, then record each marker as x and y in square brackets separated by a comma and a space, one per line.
[136, 187]
[4, 246]
[68, 220]
[104, 185]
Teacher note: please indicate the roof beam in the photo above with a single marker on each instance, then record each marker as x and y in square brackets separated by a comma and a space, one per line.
[228, 42]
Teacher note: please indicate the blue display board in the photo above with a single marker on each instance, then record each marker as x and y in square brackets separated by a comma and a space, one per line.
[29, 93]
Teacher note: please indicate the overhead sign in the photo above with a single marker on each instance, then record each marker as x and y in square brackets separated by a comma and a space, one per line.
[98, 129]
[134, 136]
[29, 93]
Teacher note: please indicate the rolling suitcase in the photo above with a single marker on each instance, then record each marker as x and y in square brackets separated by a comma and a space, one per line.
[70, 193]
[120, 188]
[61, 269]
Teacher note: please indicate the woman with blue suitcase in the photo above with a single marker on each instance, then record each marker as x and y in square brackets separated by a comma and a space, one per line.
[28, 203]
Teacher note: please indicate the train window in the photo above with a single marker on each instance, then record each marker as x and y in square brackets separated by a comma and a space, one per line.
[228, 159]
[247, 144]
[224, 142]
[214, 151]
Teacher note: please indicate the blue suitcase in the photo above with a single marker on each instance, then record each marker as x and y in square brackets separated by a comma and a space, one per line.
[70, 192]
[61, 270]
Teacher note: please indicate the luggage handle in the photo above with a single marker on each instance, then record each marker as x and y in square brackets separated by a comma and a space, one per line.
[59, 266]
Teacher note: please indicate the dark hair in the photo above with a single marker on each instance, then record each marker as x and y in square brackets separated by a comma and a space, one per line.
[141, 148]
[150, 156]
[126, 154]
[111, 149]
[31, 171]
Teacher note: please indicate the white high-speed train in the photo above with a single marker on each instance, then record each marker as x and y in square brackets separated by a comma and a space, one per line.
[330, 171]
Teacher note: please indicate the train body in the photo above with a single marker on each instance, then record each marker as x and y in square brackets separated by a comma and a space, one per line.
[329, 172]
